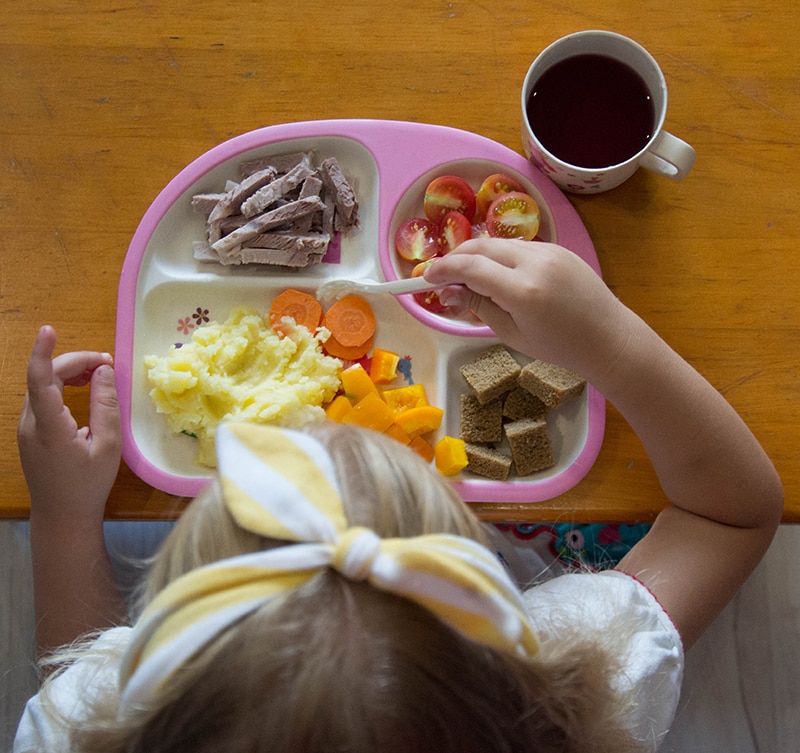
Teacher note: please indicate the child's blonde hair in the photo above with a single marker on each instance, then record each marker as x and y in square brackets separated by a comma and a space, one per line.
[337, 665]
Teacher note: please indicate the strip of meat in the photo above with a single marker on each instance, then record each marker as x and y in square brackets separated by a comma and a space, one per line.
[232, 201]
[343, 195]
[275, 190]
[312, 186]
[274, 218]
[202, 251]
[295, 258]
[204, 203]
[315, 242]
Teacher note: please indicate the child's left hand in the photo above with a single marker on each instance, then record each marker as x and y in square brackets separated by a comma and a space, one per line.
[69, 469]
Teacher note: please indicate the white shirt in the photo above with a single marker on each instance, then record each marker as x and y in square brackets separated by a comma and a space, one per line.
[651, 666]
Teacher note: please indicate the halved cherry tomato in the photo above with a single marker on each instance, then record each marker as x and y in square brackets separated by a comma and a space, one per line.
[417, 239]
[494, 186]
[428, 299]
[447, 193]
[454, 229]
[513, 215]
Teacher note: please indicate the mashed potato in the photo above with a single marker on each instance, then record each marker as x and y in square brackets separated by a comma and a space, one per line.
[241, 370]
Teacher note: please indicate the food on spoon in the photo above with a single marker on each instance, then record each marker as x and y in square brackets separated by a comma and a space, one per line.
[242, 370]
[284, 212]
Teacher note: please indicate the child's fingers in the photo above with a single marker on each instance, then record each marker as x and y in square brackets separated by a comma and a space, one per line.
[47, 375]
[493, 316]
[76, 369]
[40, 398]
[104, 420]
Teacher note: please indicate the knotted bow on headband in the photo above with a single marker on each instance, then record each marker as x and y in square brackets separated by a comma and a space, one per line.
[282, 484]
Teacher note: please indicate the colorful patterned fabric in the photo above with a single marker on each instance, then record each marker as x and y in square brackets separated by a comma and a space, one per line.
[593, 546]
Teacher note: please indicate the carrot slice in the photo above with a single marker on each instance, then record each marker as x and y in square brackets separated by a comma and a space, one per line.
[334, 348]
[350, 321]
[300, 306]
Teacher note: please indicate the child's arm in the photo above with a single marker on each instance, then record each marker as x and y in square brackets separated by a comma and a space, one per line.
[69, 471]
[726, 497]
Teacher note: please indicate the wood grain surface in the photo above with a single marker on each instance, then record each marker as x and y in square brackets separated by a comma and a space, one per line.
[102, 103]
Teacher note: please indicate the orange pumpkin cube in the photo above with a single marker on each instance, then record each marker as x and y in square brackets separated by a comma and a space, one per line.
[451, 455]
[383, 367]
[370, 412]
[357, 384]
[401, 399]
[336, 408]
[423, 448]
[422, 420]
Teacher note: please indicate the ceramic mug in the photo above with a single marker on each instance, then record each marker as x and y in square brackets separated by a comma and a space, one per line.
[599, 116]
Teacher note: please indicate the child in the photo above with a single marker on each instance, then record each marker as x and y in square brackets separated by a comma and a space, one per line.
[327, 593]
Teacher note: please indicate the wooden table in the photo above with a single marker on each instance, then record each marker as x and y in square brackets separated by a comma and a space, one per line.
[103, 103]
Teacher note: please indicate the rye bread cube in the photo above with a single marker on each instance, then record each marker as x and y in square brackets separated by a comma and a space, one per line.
[486, 461]
[530, 445]
[552, 384]
[481, 423]
[519, 403]
[491, 373]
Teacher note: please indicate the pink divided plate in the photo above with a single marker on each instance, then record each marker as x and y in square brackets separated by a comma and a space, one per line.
[164, 293]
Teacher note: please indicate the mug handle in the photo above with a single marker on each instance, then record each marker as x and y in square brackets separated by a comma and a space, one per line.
[669, 156]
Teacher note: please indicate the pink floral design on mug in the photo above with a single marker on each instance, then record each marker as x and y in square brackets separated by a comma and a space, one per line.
[593, 109]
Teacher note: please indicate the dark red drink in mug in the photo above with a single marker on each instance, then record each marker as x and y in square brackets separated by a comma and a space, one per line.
[593, 107]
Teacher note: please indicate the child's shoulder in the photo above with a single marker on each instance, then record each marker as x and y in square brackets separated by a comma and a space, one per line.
[630, 625]
[92, 673]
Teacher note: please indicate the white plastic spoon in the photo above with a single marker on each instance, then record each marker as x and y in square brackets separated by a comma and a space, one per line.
[332, 290]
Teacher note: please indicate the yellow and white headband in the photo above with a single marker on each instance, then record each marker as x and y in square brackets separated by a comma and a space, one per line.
[282, 484]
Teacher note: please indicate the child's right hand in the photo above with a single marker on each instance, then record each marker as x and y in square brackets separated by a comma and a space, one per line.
[539, 298]
[726, 497]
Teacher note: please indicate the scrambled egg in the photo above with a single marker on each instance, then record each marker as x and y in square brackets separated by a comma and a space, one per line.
[243, 371]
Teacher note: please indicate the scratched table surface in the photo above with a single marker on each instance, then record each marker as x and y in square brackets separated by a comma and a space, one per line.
[102, 103]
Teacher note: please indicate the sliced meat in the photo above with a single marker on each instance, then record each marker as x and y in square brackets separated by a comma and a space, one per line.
[275, 190]
[266, 221]
[232, 201]
[344, 196]
[204, 203]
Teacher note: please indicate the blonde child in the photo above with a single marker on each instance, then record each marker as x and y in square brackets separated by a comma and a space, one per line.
[330, 593]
